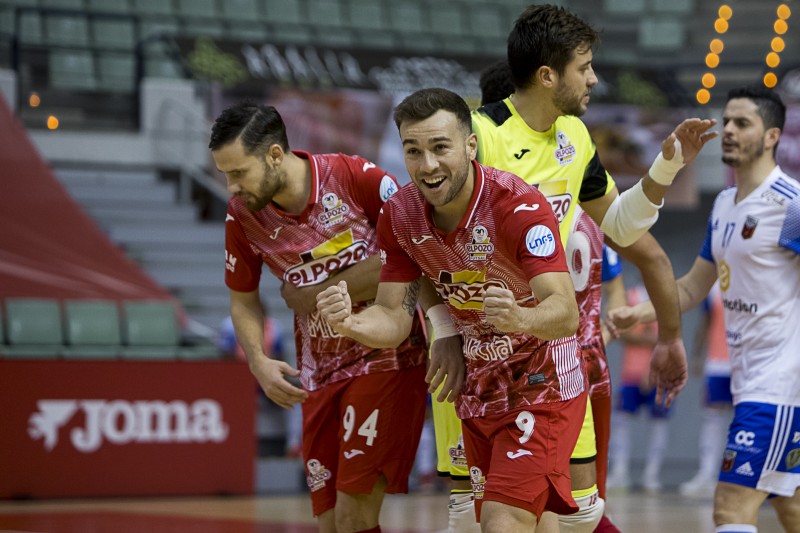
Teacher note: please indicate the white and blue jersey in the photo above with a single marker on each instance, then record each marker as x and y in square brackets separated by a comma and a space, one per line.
[755, 246]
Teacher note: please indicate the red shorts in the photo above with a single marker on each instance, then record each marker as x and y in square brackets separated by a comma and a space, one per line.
[358, 429]
[521, 458]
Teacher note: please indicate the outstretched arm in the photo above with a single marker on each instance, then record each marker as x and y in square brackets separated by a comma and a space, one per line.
[385, 324]
[625, 217]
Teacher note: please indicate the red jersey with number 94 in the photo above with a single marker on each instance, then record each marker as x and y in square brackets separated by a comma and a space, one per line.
[334, 232]
[508, 235]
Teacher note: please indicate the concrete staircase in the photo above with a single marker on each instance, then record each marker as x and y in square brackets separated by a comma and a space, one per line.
[141, 213]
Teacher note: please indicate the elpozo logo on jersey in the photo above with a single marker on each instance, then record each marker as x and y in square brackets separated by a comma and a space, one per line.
[335, 210]
[465, 289]
[481, 245]
[329, 257]
[122, 422]
[540, 241]
[565, 153]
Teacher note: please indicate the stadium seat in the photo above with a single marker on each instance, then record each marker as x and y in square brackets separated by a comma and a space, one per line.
[240, 10]
[109, 6]
[67, 30]
[150, 330]
[325, 13]
[662, 33]
[368, 16]
[62, 4]
[92, 329]
[624, 7]
[33, 327]
[153, 7]
[115, 34]
[280, 12]
[197, 8]
[408, 17]
[72, 70]
[117, 73]
[30, 28]
[448, 19]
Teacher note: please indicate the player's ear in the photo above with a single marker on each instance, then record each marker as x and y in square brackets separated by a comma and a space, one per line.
[771, 138]
[545, 76]
[275, 155]
[472, 146]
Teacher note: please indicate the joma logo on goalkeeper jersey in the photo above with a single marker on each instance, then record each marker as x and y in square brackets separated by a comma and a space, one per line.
[329, 257]
[465, 289]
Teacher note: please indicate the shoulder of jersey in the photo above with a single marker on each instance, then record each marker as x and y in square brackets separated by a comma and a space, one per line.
[497, 112]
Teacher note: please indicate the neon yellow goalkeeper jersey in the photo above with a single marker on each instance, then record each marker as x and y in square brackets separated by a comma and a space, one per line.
[561, 161]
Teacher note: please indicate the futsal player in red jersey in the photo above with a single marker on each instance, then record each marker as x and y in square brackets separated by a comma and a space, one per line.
[311, 219]
[489, 244]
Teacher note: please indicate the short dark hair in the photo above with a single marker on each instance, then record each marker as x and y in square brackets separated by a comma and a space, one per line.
[426, 102]
[545, 35]
[258, 127]
[496, 82]
[771, 108]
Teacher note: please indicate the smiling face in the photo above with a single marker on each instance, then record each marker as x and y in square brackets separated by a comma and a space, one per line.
[744, 139]
[438, 154]
[249, 175]
[572, 89]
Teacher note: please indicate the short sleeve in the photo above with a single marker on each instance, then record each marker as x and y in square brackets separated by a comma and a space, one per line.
[532, 230]
[396, 265]
[372, 186]
[612, 267]
[242, 266]
[705, 250]
[790, 231]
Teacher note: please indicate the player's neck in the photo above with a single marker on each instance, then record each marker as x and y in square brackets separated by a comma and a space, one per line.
[293, 198]
[750, 177]
[534, 107]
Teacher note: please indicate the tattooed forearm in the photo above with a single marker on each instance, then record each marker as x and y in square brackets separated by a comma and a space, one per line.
[410, 299]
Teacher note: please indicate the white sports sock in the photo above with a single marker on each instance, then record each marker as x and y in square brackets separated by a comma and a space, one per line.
[737, 528]
[461, 514]
[712, 441]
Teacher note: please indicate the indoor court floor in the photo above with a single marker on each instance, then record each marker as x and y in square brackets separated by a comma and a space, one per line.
[415, 513]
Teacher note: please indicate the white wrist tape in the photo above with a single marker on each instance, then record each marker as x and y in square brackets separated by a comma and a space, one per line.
[629, 216]
[663, 171]
[441, 322]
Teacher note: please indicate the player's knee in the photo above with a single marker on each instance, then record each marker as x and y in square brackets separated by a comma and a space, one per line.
[590, 511]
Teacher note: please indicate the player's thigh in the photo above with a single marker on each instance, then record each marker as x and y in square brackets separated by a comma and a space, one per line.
[321, 423]
[450, 454]
[788, 510]
[735, 504]
[381, 422]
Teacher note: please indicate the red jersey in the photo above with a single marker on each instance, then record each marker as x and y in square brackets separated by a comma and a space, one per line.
[585, 260]
[335, 231]
[507, 236]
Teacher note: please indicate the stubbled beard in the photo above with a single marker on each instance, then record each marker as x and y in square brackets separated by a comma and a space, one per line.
[567, 105]
[744, 157]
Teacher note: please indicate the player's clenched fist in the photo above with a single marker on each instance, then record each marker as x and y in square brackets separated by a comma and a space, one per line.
[501, 309]
[335, 306]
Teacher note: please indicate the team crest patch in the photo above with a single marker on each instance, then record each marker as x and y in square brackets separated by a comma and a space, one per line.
[793, 459]
[565, 153]
[317, 475]
[728, 459]
[335, 210]
[480, 247]
[478, 482]
[749, 227]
